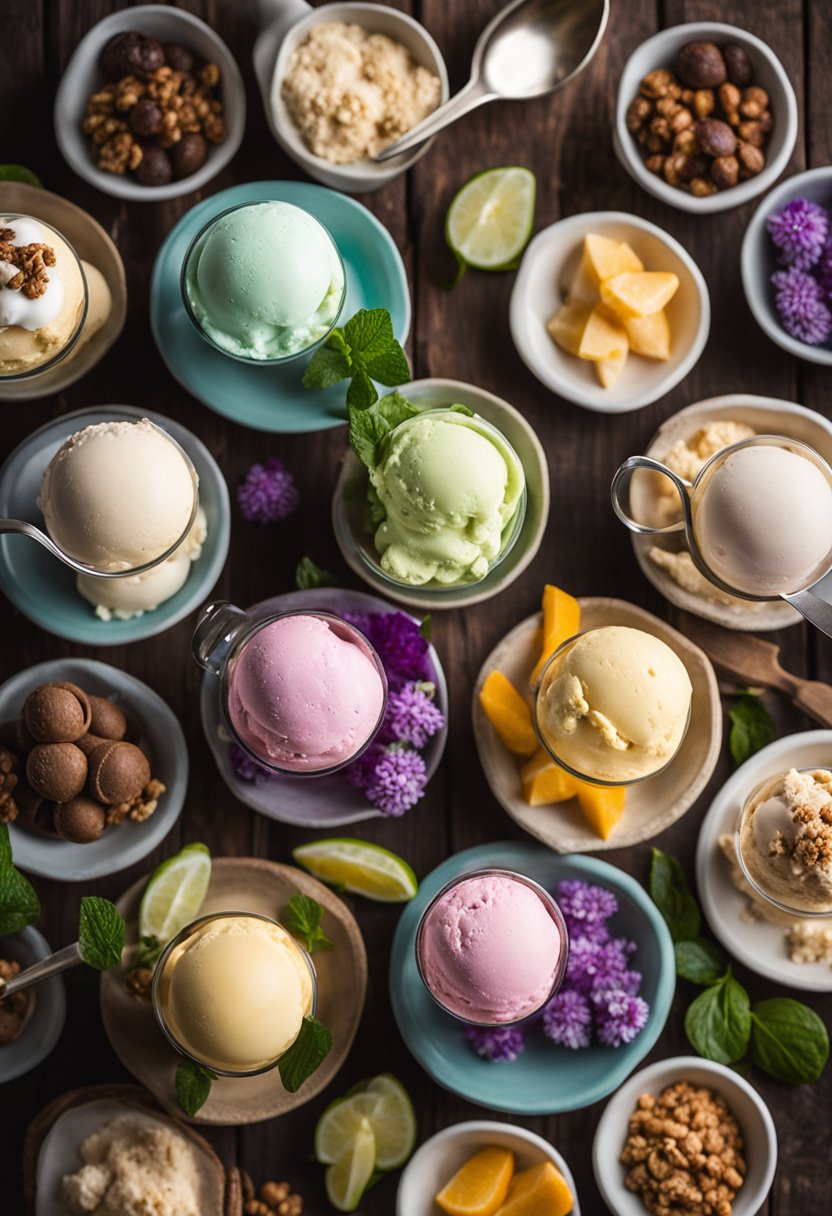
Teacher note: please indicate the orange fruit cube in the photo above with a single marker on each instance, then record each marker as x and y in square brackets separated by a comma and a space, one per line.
[480, 1185]
[561, 621]
[639, 293]
[545, 782]
[539, 1191]
[509, 714]
[602, 806]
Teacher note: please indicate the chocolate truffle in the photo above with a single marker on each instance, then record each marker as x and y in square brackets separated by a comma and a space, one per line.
[107, 719]
[56, 713]
[129, 53]
[89, 742]
[57, 770]
[118, 772]
[189, 154]
[80, 820]
[154, 167]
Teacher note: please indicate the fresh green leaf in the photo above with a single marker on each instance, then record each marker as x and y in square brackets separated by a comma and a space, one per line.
[367, 429]
[100, 933]
[426, 627]
[369, 333]
[19, 903]
[147, 952]
[672, 896]
[700, 962]
[308, 1051]
[19, 173]
[395, 409]
[308, 575]
[302, 917]
[461, 409]
[361, 393]
[752, 726]
[788, 1040]
[326, 367]
[389, 367]
[363, 350]
[718, 1022]
[193, 1085]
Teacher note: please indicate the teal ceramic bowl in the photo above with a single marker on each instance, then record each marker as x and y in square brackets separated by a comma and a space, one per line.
[271, 397]
[545, 1079]
[44, 589]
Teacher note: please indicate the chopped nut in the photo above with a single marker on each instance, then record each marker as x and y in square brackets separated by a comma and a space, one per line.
[657, 83]
[654, 163]
[30, 262]
[752, 133]
[274, 1193]
[754, 102]
[141, 807]
[138, 981]
[703, 102]
[725, 171]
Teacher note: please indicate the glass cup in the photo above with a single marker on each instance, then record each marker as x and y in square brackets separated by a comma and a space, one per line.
[550, 906]
[222, 633]
[78, 326]
[192, 255]
[160, 986]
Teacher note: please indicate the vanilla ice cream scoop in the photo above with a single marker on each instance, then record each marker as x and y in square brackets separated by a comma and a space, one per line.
[613, 706]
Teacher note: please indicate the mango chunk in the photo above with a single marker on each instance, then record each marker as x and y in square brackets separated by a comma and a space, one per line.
[561, 621]
[545, 782]
[603, 336]
[607, 257]
[480, 1185]
[609, 370]
[567, 326]
[649, 336]
[602, 806]
[639, 293]
[583, 286]
[539, 1191]
[509, 714]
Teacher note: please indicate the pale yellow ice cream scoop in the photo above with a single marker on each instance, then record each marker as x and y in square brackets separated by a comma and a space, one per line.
[613, 705]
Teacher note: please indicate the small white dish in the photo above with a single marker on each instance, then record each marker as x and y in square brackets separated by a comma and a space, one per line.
[751, 1112]
[83, 76]
[123, 846]
[759, 944]
[548, 266]
[660, 52]
[285, 24]
[765, 415]
[758, 260]
[47, 1006]
[436, 1161]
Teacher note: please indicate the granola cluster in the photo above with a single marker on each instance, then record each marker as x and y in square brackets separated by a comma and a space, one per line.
[30, 263]
[272, 1199]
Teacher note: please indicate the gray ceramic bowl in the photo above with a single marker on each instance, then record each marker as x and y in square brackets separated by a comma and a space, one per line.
[47, 1010]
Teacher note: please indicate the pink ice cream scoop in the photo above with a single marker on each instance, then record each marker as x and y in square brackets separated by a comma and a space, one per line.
[491, 949]
[305, 693]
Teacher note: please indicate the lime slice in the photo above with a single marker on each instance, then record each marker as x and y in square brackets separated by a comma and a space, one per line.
[359, 867]
[393, 1122]
[347, 1179]
[490, 220]
[174, 895]
[341, 1122]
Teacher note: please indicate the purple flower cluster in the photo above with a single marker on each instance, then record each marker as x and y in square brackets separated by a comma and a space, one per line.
[500, 1044]
[801, 232]
[267, 493]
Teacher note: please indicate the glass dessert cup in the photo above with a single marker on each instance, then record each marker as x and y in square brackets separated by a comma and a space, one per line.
[551, 907]
[552, 669]
[78, 327]
[161, 983]
[810, 605]
[222, 633]
[196, 247]
[750, 872]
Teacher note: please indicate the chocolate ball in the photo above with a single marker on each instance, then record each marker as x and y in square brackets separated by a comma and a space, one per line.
[106, 719]
[701, 66]
[178, 57]
[146, 118]
[118, 772]
[154, 168]
[714, 137]
[738, 64]
[56, 713]
[189, 154]
[89, 742]
[80, 820]
[56, 770]
[131, 53]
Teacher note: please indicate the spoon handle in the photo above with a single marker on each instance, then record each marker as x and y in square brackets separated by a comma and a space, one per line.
[473, 95]
[817, 611]
[43, 970]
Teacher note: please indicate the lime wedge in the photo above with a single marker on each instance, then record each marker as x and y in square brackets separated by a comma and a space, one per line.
[347, 1179]
[359, 867]
[490, 220]
[393, 1122]
[341, 1122]
[174, 895]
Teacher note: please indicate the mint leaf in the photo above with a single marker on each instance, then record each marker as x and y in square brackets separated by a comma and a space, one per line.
[395, 408]
[302, 916]
[326, 367]
[369, 333]
[193, 1085]
[100, 933]
[752, 726]
[367, 429]
[362, 392]
[19, 903]
[788, 1040]
[308, 575]
[672, 896]
[700, 962]
[19, 173]
[147, 953]
[308, 1051]
[426, 628]
[461, 409]
[718, 1022]
[390, 367]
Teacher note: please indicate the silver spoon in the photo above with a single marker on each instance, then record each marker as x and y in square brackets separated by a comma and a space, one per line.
[44, 969]
[530, 48]
[21, 527]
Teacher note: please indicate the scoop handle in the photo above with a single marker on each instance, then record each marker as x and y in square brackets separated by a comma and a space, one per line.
[44, 969]
[218, 628]
[815, 610]
[468, 98]
[620, 494]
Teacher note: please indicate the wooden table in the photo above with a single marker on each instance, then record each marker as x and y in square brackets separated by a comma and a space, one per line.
[567, 142]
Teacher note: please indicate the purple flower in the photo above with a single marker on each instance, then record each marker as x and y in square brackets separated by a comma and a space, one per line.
[246, 768]
[359, 772]
[268, 493]
[799, 302]
[412, 716]
[586, 908]
[397, 780]
[567, 1019]
[799, 230]
[499, 1043]
[824, 270]
[619, 1016]
[400, 646]
[594, 966]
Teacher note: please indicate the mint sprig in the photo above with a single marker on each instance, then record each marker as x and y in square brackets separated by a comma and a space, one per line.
[363, 350]
[100, 933]
[19, 903]
[752, 726]
[309, 575]
[306, 1054]
[673, 898]
[369, 425]
[147, 953]
[193, 1085]
[302, 916]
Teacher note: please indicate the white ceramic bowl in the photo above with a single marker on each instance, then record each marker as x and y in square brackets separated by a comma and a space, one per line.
[83, 76]
[47, 1009]
[285, 25]
[660, 52]
[751, 1112]
[758, 261]
[438, 1159]
[548, 266]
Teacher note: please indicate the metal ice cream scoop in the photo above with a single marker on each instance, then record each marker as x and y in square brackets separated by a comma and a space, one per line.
[21, 527]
